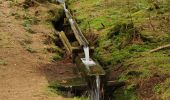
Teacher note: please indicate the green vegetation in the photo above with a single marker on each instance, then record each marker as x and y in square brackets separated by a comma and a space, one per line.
[163, 89]
[56, 57]
[128, 30]
[3, 62]
[25, 44]
[46, 12]
[29, 21]
[127, 93]
[60, 87]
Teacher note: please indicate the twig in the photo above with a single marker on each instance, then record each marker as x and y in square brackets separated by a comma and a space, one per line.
[159, 48]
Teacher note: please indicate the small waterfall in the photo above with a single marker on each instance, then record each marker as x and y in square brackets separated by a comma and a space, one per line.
[97, 87]
[86, 52]
[87, 61]
[95, 83]
[95, 91]
[71, 21]
[64, 5]
[61, 1]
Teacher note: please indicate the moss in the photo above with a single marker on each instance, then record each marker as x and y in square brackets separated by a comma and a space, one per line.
[110, 55]
[156, 59]
[67, 82]
[65, 86]
[126, 93]
[116, 44]
[56, 57]
[163, 89]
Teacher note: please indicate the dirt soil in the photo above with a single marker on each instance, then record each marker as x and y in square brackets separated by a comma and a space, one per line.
[19, 77]
[145, 87]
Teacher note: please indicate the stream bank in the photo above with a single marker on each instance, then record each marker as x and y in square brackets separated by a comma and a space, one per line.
[127, 31]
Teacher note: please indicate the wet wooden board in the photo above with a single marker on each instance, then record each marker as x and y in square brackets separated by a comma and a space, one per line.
[92, 71]
[76, 30]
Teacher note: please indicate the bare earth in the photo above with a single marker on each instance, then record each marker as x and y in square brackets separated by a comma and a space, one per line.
[19, 77]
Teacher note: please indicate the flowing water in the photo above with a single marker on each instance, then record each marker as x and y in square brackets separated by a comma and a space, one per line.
[95, 92]
[61, 1]
[86, 52]
[95, 88]
[71, 21]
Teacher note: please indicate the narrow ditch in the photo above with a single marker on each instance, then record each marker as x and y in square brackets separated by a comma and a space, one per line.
[107, 90]
[62, 24]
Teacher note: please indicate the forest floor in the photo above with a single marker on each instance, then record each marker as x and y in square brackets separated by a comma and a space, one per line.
[22, 56]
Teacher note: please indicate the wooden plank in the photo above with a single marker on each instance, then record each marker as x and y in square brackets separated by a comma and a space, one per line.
[76, 30]
[65, 41]
[94, 70]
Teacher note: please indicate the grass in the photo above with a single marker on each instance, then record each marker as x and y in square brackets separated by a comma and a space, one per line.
[25, 44]
[61, 87]
[115, 21]
[107, 16]
[57, 52]
[56, 57]
[31, 50]
[29, 20]
[125, 93]
[3, 62]
[144, 66]
[163, 89]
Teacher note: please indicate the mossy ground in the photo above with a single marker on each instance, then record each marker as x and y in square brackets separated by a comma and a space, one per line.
[128, 30]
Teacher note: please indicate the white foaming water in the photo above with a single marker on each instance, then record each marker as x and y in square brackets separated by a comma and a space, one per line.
[97, 87]
[87, 61]
[61, 1]
[86, 52]
[71, 21]
[64, 4]
[95, 92]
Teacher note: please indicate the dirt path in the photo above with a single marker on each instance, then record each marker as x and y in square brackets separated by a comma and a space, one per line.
[19, 77]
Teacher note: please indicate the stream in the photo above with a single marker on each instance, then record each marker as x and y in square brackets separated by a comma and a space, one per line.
[94, 91]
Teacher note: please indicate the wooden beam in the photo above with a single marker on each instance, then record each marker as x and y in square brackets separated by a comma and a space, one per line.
[76, 30]
[65, 41]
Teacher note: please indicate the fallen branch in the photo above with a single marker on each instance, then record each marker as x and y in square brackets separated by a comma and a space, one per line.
[159, 48]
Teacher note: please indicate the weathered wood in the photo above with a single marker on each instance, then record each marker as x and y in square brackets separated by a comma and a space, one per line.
[115, 83]
[65, 41]
[76, 30]
[92, 71]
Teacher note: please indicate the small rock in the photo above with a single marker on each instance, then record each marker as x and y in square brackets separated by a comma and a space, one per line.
[60, 72]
